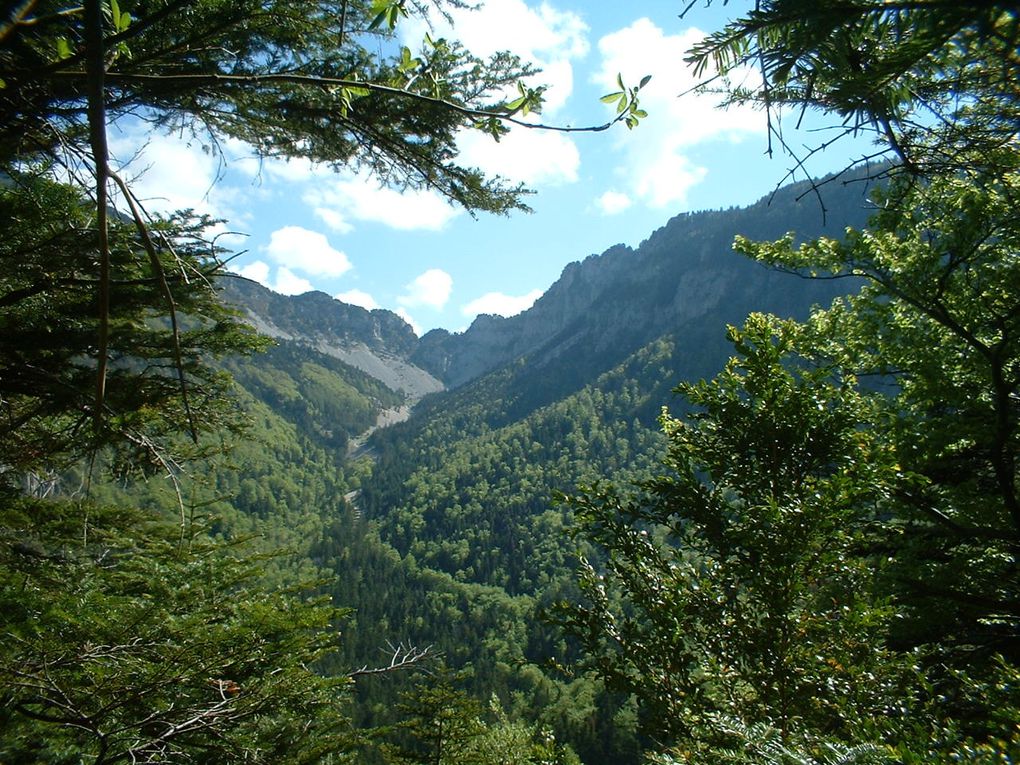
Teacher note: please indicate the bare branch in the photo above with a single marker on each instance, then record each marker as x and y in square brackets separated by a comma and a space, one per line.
[168, 296]
[95, 66]
[400, 657]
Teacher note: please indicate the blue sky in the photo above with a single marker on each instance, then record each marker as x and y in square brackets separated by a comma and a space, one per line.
[302, 227]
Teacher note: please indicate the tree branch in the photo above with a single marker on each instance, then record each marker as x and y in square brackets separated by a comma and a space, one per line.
[95, 69]
[401, 657]
[259, 80]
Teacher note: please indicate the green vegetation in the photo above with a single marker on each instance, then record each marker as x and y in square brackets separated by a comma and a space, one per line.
[816, 561]
[828, 571]
[125, 639]
[123, 644]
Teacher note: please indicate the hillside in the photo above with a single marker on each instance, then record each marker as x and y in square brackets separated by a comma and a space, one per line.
[454, 539]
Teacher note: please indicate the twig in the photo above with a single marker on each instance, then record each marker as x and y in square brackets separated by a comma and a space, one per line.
[402, 657]
[199, 80]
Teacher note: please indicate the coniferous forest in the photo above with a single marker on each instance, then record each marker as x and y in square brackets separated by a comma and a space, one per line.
[746, 493]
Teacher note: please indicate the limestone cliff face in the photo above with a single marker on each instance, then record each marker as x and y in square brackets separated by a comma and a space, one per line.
[493, 341]
[683, 280]
[378, 342]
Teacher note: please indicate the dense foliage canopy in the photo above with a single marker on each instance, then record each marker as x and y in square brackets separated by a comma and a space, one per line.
[828, 571]
[124, 641]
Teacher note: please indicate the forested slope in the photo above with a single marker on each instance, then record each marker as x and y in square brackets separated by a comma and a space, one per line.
[450, 536]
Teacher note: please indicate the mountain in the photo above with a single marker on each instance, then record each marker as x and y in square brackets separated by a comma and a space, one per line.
[446, 531]
[684, 275]
[378, 342]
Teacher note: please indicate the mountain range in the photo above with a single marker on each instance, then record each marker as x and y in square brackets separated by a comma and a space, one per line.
[422, 473]
[684, 276]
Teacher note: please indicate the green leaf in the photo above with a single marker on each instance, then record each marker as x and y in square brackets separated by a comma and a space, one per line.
[644, 81]
[63, 48]
[611, 97]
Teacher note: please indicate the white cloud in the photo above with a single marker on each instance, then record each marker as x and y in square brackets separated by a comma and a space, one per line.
[403, 314]
[532, 157]
[167, 173]
[501, 304]
[656, 161]
[286, 282]
[544, 36]
[358, 297]
[334, 219]
[295, 170]
[361, 197]
[258, 271]
[431, 289]
[549, 39]
[307, 251]
[613, 202]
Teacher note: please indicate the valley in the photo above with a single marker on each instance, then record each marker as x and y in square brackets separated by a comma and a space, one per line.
[458, 541]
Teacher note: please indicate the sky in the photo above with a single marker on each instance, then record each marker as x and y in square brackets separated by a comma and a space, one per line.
[299, 227]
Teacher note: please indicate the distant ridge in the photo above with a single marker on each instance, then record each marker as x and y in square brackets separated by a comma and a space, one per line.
[683, 279]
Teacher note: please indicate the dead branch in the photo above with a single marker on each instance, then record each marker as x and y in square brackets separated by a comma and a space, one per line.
[400, 657]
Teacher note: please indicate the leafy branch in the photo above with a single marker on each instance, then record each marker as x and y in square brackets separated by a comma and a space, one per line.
[626, 101]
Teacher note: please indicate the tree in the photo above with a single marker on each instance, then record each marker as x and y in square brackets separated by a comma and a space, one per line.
[443, 725]
[326, 81]
[290, 81]
[936, 319]
[933, 330]
[937, 82]
[127, 646]
[939, 318]
[735, 586]
[112, 327]
[165, 324]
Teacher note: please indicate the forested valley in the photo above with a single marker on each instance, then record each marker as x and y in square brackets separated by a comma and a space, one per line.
[735, 495]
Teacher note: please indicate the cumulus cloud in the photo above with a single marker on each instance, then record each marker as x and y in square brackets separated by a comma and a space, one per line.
[307, 251]
[549, 39]
[613, 202]
[658, 165]
[544, 36]
[431, 289]
[169, 173]
[286, 281]
[338, 200]
[358, 297]
[524, 156]
[258, 271]
[334, 219]
[501, 304]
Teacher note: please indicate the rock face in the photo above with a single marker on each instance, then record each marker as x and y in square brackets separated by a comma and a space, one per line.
[684, 279]
[492, 341]
[378, 342]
